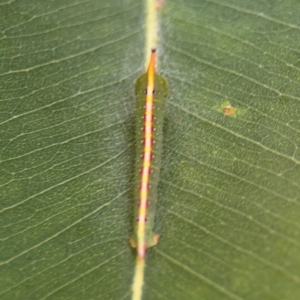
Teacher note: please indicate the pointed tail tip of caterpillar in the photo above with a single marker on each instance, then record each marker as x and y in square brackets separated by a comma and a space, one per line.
[141, 252]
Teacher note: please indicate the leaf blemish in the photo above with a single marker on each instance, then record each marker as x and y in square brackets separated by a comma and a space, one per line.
[228, 110]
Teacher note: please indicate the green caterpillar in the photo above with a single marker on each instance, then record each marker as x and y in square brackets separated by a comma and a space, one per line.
[151, 92]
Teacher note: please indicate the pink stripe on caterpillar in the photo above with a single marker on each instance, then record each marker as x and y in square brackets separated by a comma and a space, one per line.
[145, 186]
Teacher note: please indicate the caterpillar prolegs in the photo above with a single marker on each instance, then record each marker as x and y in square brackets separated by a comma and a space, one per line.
[151, 93]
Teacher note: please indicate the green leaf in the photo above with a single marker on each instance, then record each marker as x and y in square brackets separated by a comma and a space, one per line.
[228, 205]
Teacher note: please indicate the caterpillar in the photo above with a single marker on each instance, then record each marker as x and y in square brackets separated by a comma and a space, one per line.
[151, 92]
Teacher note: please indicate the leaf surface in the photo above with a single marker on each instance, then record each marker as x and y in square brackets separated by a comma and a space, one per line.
[229, 207]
